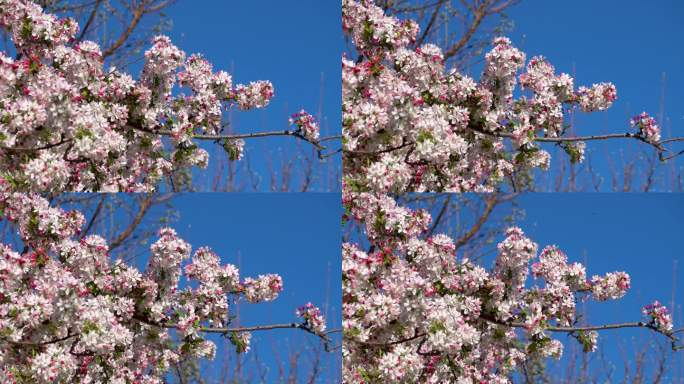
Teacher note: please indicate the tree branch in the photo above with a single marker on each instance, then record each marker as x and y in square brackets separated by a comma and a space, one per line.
[39, 343]
[137, 15]
[89, 21]
[224, 331]
[439, 217]
[144, 206]
[41, 148]
[480, 13]
[430, 24]
[661, 150]
[286, 132]
[637, 324]
[91, 222]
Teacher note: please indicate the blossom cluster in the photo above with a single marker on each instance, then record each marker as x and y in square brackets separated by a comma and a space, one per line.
[610, 287]
[660, 316]
[410, 124]
[69, 313]
[312, 316]
[648, 127]
[306, 124]
[413, 311]
[67, 123]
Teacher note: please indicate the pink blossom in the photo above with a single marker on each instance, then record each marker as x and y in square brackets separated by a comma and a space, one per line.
[81, 127]
[69, 312]
[313, 317]
[306, 124]
[412, 125]
[408, 294]
[648, 127]
[660, 316]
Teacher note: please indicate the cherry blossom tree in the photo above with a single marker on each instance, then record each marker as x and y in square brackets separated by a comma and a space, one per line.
[68, 313]
[409, 124]
[413, 311]
[69, 124]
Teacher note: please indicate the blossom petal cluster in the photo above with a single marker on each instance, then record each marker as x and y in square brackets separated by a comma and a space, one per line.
[69, 124]
[412, 124]
[648, 127]
[414, 311]
[659, 315]
[313, 317]
[306, 124]
[69, 313]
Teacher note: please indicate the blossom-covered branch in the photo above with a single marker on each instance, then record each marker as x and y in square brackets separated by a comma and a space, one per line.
[415, 312]
[654, 325]
[67, 123]
[230, 137]
[409, 124]
[314, 323]
[68, 313]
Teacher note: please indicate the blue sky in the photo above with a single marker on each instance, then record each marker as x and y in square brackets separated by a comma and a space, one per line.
[630, 43]
[294, 44]
[294, 235]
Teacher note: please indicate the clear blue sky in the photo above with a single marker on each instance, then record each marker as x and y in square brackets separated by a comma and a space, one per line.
[631, 43]
[294, 44]
[636, 233]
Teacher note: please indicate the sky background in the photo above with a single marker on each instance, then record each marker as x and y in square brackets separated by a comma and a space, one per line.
[631, 43]
[636, 233]
[294, 44]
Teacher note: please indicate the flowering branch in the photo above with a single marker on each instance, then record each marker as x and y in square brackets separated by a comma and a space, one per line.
[439, 318]
[219, 137]
[38, 344]
[635, 324]
[659, 145]
[69, 124]
[68, 312]
[412, 125]
[41, 148]
[323, 335]
[571, 330]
